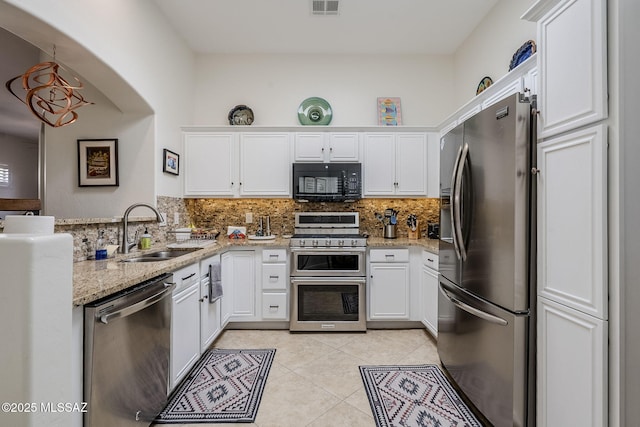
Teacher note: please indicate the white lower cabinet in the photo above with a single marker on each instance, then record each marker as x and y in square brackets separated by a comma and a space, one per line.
[210, 312]
[274, 306]
[185, 321]
[572, 367]
[274, 285]
[429, 287]
[210, 326]
[389, 284]
[239, 283]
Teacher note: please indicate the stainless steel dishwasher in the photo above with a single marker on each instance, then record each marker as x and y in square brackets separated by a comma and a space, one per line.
[126, 354]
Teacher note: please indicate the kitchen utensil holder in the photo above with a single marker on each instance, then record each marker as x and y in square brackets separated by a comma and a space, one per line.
[414, 234]
[390, 231]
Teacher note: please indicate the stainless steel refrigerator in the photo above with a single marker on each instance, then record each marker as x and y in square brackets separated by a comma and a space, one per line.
[486, 323]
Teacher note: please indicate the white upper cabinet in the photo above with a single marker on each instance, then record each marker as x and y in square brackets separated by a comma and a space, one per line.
[327, 147]
[395, 164]
[232, 164]
[210, 164]
[411, 164]
[572, 62]
[522, 79]
[265, 164]
[379, 164]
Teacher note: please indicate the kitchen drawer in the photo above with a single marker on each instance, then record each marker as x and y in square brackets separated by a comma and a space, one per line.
[186, 276]
[274, 305]
[274, 276]
[274, 255]
[430, 260]
[389, 255]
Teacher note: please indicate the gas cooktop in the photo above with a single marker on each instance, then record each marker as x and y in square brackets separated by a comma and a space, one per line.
[327, 229]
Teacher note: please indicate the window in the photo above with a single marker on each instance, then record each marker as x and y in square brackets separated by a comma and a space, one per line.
[4, 175]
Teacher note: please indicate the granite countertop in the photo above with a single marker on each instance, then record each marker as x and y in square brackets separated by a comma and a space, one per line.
[430, 245]
[93, 280]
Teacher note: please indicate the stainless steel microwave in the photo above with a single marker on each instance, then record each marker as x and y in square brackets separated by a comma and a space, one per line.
[327, 182]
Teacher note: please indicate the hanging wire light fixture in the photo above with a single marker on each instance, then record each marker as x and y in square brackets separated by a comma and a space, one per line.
[49, 96]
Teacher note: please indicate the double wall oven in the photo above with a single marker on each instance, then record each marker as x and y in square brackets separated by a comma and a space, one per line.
[328, 272]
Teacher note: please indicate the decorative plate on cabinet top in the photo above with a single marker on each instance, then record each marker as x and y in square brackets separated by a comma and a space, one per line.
[484, 83]
[240, 115]
[525, 51]
[314, 111]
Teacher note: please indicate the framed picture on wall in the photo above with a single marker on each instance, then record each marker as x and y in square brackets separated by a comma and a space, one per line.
[389, 112]
[97, 162]
[171, 163]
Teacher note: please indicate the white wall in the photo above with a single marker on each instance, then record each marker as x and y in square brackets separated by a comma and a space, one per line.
[273, 86]
[624, 244]
[490, 47]
[128, 52]
[135, 134]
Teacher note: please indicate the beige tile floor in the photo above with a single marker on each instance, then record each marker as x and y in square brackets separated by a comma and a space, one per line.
[314, 380]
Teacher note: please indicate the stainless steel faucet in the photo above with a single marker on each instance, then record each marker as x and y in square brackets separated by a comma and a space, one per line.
[125, 247]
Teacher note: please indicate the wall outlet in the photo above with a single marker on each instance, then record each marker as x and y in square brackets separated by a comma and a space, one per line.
[164, 219]
[176, 218]
[248, 217]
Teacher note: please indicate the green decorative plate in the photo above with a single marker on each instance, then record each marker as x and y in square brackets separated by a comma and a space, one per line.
[314, 111]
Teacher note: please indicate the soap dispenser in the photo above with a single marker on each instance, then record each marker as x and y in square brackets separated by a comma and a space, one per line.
[101, 249]
[145, 239]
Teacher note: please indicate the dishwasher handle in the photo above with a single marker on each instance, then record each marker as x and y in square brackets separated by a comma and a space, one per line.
[134, 308]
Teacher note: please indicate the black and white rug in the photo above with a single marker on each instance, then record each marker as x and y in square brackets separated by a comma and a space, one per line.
[414, 396]
[225, 386]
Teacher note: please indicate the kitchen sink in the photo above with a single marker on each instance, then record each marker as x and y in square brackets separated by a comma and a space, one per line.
[161, 255]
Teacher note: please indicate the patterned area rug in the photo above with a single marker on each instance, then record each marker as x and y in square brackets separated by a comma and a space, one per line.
[414, 396]
[225, 386]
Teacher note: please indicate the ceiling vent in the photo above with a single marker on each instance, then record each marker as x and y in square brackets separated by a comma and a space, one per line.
[324, 7]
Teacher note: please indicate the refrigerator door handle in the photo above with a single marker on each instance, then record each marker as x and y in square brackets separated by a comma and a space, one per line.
[453, 202]
[457, 205]
[472, 310]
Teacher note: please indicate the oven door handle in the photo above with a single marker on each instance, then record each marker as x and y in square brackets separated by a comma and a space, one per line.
[328, 279]
[324, 250]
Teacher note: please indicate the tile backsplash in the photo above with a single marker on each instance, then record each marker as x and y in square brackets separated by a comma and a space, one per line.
[220, 213]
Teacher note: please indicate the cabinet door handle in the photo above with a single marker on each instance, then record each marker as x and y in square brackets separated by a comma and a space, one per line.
[204, 298]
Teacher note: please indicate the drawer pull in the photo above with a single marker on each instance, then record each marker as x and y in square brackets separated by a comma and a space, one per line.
[274, 307]
[389, 256]
[274, 278]
[272, 256]
[189, 276]
[429, 259]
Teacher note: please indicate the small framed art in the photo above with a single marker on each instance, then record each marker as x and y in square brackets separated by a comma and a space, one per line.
[171, 163]
[389, 112]
[97, 162]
